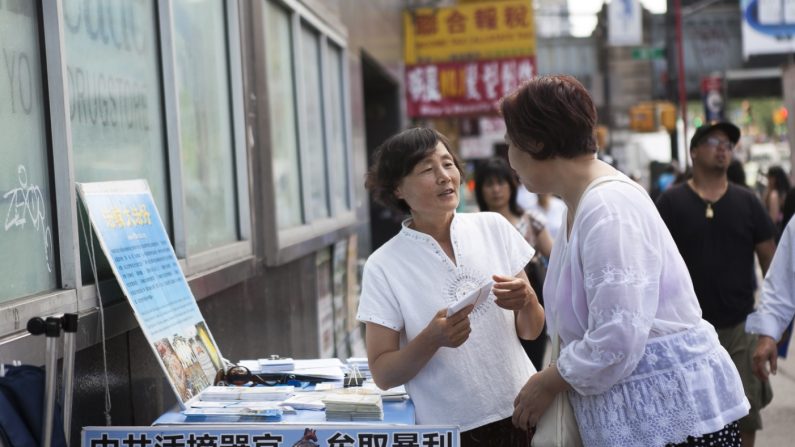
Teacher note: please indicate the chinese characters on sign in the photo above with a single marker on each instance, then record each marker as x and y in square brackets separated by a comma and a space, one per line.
[463, 88]
[275, 436]
[470, 31]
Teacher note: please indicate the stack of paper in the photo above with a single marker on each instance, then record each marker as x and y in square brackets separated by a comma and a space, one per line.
[354, 407]
[275, 365]
[392, 394]
[305, 401]
[257, 393]
[325, 369]
[311, 369]
[268, 411]
[361, 364]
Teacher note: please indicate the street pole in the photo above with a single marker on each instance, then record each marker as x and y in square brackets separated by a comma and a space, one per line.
[680, 62]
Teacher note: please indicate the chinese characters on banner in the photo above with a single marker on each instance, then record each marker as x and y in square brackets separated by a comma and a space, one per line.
[469, 32]
[464, 88]
[461, 60]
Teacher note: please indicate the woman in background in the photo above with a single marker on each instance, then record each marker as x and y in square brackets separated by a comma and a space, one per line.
[496, 188]
[775, 196]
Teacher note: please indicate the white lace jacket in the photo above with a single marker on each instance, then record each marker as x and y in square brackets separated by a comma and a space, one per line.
[646, 369]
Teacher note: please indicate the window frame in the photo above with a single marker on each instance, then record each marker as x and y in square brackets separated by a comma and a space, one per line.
[285, 245]
[207, 272]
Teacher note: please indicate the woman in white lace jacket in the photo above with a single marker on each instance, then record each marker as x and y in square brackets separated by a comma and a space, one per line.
[639, 364]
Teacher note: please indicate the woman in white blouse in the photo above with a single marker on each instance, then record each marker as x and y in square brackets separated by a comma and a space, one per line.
[464, 369]
[639, 364]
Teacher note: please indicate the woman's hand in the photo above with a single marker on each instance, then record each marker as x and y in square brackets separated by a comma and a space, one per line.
[450, 331]
[536, 396]
[513, 293]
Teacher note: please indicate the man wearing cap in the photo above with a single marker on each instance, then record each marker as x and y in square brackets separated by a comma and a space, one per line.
[718, 226]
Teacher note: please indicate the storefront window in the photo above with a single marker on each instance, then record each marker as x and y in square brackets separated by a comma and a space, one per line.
[115, 97]
[337, 147]
[27, 255]
[281, 98]
[313, 137]
[205, 124]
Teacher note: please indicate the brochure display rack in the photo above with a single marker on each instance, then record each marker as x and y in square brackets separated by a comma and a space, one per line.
[127, 225]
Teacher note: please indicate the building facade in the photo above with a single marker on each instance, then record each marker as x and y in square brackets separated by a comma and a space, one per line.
[251, 121]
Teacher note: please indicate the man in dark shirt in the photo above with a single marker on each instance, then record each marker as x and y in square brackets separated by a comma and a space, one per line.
[718, 226]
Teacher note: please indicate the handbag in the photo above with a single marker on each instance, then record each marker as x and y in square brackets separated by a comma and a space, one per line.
[557, 426]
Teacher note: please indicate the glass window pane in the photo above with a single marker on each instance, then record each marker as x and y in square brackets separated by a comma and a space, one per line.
[112, 62]
[337, 147]
[205, 123]
[313, 138]
[27, 264]
[281, 99]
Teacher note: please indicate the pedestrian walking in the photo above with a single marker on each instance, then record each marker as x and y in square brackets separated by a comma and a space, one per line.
[639, 365]
[775, 196]
[718, 227]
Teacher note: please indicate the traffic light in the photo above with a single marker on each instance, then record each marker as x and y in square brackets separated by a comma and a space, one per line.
[668, 116]
[641, 117]
[602, 135]
[780, 115]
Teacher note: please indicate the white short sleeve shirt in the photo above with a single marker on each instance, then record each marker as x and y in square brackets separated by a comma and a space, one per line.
[409, 279]
[777, 302]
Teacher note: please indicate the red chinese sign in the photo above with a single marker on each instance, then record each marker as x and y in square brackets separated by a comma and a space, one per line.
[463, 88]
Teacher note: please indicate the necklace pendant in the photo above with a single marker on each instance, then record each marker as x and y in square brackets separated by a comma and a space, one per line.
[710, 214]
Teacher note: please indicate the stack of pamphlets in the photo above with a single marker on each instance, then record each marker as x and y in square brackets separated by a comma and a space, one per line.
[393, 394]
[309, 369]
[275, 365]
[264, 411]
[305, 401]
[354, 407]
[361, 364]
[255, 393]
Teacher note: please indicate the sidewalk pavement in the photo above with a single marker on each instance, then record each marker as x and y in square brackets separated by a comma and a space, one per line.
[778, 418]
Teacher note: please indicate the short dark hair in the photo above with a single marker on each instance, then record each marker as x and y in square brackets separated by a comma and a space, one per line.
[556, 111]
[496, 168]
[395, 159]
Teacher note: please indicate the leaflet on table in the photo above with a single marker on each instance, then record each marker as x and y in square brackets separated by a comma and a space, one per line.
[475, 297]
[256, 393]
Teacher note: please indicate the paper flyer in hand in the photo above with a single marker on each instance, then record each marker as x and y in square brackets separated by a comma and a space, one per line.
[475, 297]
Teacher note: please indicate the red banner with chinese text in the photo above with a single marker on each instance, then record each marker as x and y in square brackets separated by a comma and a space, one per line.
[463, 88]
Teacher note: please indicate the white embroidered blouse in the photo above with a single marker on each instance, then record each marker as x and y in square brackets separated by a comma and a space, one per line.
[645, 368]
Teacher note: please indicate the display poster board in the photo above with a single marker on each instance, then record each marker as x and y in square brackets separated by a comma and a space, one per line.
[240, 435]
[132, 236]
[352, 277]
[325, 307]
[339, 272]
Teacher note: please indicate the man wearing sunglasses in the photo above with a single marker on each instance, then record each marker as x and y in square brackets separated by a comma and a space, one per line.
[718, 227]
